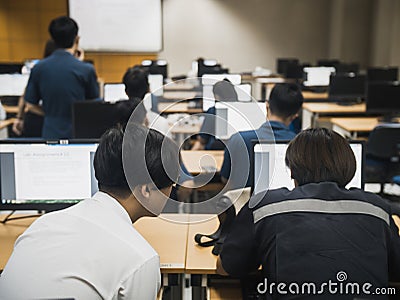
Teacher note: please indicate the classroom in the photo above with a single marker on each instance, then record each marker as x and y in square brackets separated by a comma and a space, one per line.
[213, 149]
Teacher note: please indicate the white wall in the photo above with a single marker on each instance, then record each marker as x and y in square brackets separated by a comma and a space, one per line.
[243, 34]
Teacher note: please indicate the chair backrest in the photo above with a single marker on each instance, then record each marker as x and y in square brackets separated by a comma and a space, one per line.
[384, 142]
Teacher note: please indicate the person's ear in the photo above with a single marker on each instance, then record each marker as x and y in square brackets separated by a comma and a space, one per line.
[145, 191]
[77, 40]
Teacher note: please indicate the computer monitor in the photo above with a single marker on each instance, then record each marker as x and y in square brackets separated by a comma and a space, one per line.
[347, 88]
[383, 74]
[211, 79]
[11, 68]
[317, 76]
[243, 91]
[13, 84]
[154, 67]
[46, 175]
[270, 171]
[328, 62]
[282, 63]
[156, 83]
[114, 92]
[383, 98]
[91, 119]
[347, 68]
[232, 117]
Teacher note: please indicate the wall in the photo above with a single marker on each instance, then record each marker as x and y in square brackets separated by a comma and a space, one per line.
[350, 30]
[244, 34]
[23, 34]
[385, 44]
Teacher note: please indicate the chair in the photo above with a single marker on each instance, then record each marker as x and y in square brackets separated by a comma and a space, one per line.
[383, 153]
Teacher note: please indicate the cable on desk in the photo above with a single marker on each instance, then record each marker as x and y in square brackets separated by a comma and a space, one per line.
[8, 217]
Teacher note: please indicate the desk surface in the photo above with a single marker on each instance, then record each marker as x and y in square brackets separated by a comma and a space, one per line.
[333, 108]
[180, 107]
[197, 161]
[11, 109]
[167, 238]
[355, 124]
[200, 260]
[311, 95]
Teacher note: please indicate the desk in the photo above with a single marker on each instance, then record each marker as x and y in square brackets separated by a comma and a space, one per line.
[179, 95]
[197, 161]
[312, 111]
[179, 86]
[313, 96]
[200, 260]
[350, 127]
[167, 238]
[179, 107]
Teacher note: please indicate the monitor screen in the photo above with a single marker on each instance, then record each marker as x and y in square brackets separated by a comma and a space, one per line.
[46, 173]
[317, 76]
[271, 172]
[211, 79]
[383, 97]
[13, 85]
[156, 82]
[114, 92]
[282, 63]
[383, 74]
[243, 91]
[232, 117]
[347, 86]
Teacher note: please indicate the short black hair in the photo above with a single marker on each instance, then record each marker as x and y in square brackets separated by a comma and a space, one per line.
[63, 31]
[225, 90]
[144, 156]
[124, 109]
[320, 155]
[136, 82]
[285, 100]
[49, 48]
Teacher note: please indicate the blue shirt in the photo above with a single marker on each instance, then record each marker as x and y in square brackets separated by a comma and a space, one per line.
[59, 80]
[207, 130]
[241, 144]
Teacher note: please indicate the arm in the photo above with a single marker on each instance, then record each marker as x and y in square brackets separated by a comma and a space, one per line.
[18, 124]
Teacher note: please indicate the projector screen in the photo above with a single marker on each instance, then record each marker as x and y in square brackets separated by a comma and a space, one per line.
[118, 25]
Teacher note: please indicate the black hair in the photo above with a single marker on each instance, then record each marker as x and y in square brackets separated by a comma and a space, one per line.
[319, 155]
[136, 82]
[49, 48]
[225, 90]
[149, 157]
[124, 109]
[285, 100]
[63, 31]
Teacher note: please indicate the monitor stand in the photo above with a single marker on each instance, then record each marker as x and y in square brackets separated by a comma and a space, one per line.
[389, 118]
[348, 101]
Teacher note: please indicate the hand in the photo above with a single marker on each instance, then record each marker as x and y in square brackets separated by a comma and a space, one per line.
[18, 126]
[79, 54]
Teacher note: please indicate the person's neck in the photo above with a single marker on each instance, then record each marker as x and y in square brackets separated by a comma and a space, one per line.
[131, 205]
[70, 50]
[278, 119]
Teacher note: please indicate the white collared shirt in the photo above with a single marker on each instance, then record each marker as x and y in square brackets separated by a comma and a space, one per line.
[87, 251]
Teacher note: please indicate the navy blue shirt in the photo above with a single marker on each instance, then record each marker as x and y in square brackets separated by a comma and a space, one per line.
[59, 80]
[240, 147]
[312, 234]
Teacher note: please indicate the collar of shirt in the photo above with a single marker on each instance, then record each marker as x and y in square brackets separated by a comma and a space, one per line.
[112, 204]
[275, 125]
[62, 52]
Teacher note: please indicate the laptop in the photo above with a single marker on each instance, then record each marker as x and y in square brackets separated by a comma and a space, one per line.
[46, 175]
[269, 171]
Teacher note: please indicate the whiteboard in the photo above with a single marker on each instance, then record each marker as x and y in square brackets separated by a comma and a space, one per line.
[118, 25]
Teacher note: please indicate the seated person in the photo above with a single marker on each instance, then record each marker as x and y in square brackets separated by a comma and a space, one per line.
[283, 107]
[223, 91]
[137, 87]
[318, 231]
[91, 250]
